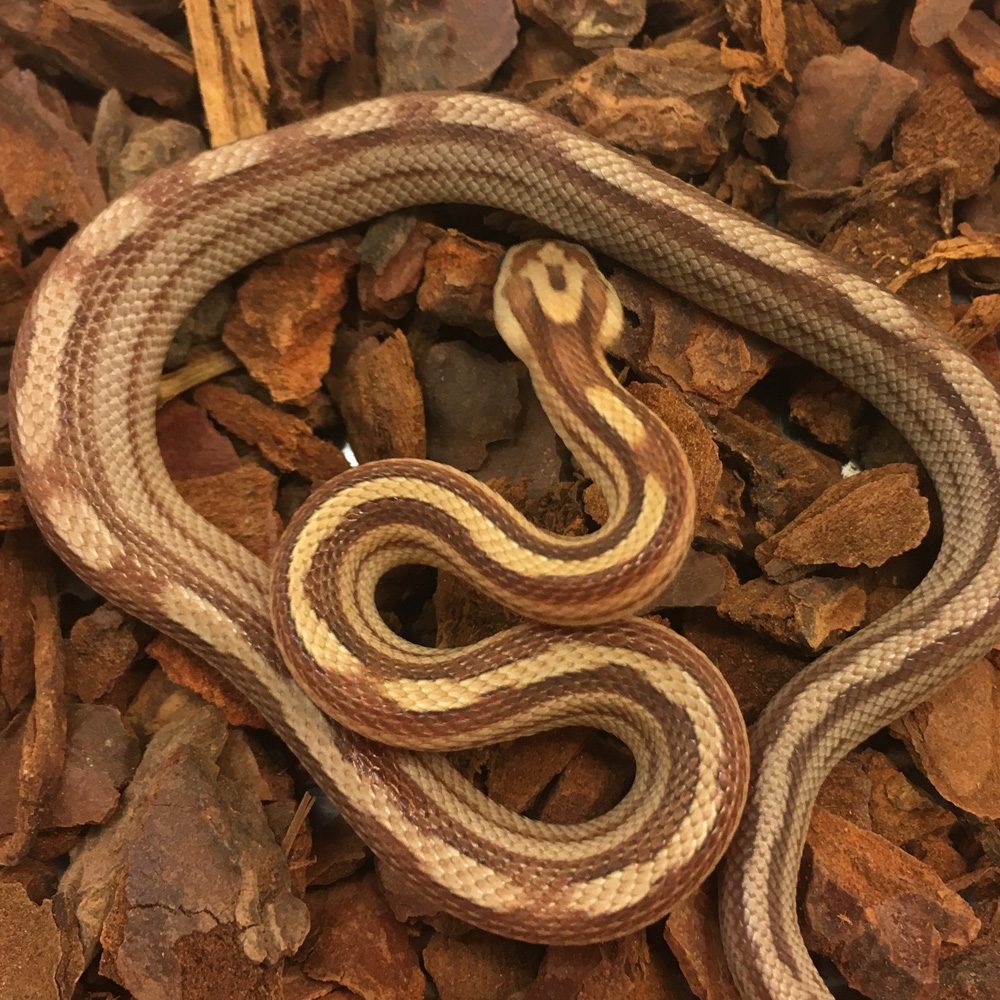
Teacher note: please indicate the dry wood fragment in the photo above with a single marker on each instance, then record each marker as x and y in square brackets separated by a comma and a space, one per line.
[884, 917]
[283, 439]
[846, 106]
[458, 279]
[672, 103]
[596, 25]
[190, 444]
[480, 966]
[785, 476]
[935, 20]
[48, 174]
[43, 746]
[381, 402]
[944, 125]
[186, 669]
[232, 76]
[102, 646]
[393, 253]
[357, 942]
[101, 44]
[845, 526]
[977, 42]
[692, 931]
[815, 613]
[980, 322]
[29, 943]
[676, 343]
[283, 321]
[940, 732]
[627, 969]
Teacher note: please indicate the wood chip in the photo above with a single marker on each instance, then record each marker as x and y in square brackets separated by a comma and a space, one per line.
[283, 439]
[102, 45]
[232, 77]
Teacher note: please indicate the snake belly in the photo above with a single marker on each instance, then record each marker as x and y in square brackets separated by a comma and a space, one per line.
[83, 387]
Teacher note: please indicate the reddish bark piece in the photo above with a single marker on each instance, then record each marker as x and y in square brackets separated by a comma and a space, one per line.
[48, 173]
[236, 919]
[893, 228]
[671, 102]
[517, 773]
[540, 59]
[831, 412]
[754, 666]
[29, 943]
[977, 41]
[457, 286]
[100, 755]
[14, 513]
[727, 525]
[625, 969]
[979, 323]
[355, 941]
[283, 439]
[42, 748]
[392, 257]
[240, 503]
[408, 902]
[327, 30]
[848, 525]
[185, 668]
[809, 34]
[934, 20]
[871, 792]
[694, 437]
[381, 401]
[593, 781]
[25, 573]
[479, 966]
[846, 106]
[158, 925]
[471, 401]
[102, 646]
[589, 24]
[282, 324]
[190, 444]
[946, 125]
[867, 789]
[974, 973]
[785, 476]
[296, 985]
[883, 917]
[101, 45]
[245, 759]
[338, 852]
[693, 933]
[463, 615]
[38, 878]
[940, 732]
[452, 44]
[813, 613]
[674, 342]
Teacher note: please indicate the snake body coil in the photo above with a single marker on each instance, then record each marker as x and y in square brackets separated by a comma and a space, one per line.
[83, 396]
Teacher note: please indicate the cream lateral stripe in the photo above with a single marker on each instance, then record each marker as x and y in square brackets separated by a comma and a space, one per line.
[82, 397]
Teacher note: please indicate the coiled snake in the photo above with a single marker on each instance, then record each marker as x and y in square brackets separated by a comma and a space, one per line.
[83, 389]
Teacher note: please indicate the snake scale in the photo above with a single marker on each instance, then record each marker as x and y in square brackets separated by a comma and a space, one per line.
[83, 392]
